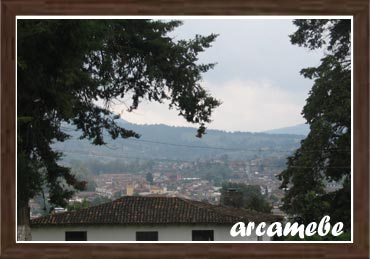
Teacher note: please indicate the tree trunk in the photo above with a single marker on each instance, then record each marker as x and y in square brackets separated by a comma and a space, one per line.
[23, 221]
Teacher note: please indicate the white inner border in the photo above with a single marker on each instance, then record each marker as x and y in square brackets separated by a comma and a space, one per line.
[182, 17]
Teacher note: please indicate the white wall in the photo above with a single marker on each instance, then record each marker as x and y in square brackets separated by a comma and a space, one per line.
[128, 233]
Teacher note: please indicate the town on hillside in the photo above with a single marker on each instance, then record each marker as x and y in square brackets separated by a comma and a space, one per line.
[200, 180]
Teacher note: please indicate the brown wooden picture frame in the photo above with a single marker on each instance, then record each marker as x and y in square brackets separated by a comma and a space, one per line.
[360, 11]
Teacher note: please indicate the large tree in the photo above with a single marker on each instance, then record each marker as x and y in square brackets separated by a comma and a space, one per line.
[252, 198]
[325, 154]
[66, 67]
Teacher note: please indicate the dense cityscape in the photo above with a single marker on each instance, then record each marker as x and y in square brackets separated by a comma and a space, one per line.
[199, 180]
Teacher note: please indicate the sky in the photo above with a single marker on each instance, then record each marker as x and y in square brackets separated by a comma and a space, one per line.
[256, 77]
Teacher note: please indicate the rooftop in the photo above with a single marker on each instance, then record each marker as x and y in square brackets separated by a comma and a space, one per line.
[154, 210]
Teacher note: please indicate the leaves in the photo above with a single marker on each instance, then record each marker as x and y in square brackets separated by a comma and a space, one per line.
[252, 197]
[66, 66]
[324, 156]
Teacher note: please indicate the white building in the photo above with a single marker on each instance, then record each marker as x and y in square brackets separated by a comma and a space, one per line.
[135, 218]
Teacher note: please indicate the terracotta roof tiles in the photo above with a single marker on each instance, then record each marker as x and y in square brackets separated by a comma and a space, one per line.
[155, 210]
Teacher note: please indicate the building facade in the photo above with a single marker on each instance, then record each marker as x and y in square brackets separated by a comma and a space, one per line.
[139, 233]
[135, 218]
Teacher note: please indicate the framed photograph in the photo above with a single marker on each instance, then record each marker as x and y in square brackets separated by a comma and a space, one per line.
[185, 129]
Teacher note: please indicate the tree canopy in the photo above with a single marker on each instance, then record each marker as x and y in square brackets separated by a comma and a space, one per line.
[252, 198]
[325, 154]
[66, 67]
[149, 178]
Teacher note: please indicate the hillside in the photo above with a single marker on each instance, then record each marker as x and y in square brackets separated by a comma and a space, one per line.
[179, 143]
[300, 129]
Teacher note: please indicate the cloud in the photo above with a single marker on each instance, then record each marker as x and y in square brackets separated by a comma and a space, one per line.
[246, 106]
[150, 113]
[255, 106]
[257, 76]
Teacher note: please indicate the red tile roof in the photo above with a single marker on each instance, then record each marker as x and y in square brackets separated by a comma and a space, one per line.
[155, 210]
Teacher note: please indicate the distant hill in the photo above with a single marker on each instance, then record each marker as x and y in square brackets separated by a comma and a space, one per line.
[301, 129]
[179, 143]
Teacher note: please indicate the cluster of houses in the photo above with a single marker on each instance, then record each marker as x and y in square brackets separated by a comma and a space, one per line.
[172, 207]
[117, 185]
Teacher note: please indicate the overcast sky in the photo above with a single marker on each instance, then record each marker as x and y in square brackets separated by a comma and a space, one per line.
[256, 77]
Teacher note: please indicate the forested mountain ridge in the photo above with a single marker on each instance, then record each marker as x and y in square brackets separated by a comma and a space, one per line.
[180, 143]
[300, 129]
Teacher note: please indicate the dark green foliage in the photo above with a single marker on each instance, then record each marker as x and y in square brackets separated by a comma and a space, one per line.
[32, 176]
[149, 178]
[79, 170]
[66, 66]
[252, 197]
[78, 205]
[324, 156]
